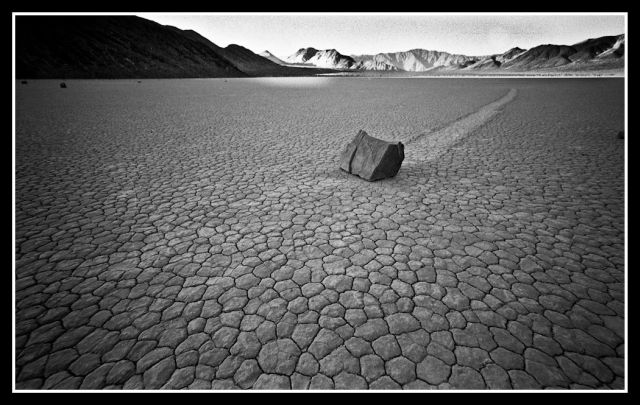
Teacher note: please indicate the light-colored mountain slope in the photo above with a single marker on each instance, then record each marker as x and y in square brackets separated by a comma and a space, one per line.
[414, 60]
[272, 57]
[328, 58]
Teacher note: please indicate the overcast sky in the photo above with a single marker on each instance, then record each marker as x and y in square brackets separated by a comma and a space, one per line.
[480, 34]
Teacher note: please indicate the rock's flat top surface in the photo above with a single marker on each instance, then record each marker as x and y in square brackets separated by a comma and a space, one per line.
[198, 234]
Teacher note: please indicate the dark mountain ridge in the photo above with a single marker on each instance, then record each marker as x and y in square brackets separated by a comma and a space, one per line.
[129, 47]
[551, 56]
[111, 47]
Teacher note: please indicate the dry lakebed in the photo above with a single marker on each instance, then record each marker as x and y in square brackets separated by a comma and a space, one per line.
[199, 234]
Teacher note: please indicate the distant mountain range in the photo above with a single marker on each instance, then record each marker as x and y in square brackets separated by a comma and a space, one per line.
[328, 58]
[606, 51]
[82, 46]
[129, 47]
[415, 60]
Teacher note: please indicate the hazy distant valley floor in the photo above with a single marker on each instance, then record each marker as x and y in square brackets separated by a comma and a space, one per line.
[199, 234]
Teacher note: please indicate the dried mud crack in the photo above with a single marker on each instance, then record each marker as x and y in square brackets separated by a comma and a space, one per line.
[198, 235]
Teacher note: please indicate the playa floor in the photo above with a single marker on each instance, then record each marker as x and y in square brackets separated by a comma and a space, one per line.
[198, 234]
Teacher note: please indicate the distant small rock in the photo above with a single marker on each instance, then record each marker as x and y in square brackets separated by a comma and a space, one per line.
[372, 158]
[24, 82]
[139, 81]
[63, 85]
[621, 135]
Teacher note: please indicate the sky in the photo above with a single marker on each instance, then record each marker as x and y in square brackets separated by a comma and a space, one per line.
[368, 33]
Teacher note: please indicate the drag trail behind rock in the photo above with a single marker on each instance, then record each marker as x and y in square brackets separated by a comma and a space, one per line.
[428, 146]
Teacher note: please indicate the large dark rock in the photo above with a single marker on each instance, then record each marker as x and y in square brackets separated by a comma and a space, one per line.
[372, 158]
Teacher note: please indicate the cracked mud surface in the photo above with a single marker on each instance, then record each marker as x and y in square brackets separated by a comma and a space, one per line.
[191, 234]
